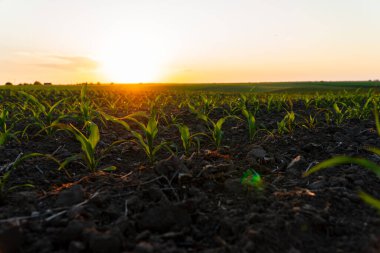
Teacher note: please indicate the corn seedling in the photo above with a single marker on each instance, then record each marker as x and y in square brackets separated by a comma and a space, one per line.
[43, 114]
[187, 138]
[339, 114]
[310, 122]
[286, 125]
[307, 101]
[147, 141]
[5, 132]
[215, 128]
[150, 131]
[207, 104]
[88, 146]
[251, 122]
[269, 103]
[85, 106]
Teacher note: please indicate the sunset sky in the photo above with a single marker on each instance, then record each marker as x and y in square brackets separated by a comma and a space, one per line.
[124, 41]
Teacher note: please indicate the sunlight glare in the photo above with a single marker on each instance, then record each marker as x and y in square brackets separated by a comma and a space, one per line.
[131, 63]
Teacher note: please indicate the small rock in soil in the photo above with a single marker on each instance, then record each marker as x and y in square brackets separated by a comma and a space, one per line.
[297, 166]
[72, 196]
[170, 166]
[256, 154]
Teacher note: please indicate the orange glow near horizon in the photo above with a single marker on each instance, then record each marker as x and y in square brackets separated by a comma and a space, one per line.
[178, 41]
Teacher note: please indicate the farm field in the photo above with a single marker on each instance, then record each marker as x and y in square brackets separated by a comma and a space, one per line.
[190, 168]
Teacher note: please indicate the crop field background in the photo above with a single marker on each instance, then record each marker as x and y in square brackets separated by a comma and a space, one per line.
[278, 167]
[277, 87]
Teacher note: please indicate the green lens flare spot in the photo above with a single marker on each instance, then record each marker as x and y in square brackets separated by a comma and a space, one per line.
[252, 179]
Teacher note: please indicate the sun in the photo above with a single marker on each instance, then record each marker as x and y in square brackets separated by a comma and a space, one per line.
[131, 63]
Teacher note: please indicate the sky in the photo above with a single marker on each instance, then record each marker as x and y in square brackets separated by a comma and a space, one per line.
[188, 41]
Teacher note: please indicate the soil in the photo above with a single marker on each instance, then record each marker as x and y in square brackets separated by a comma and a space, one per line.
[197, 203]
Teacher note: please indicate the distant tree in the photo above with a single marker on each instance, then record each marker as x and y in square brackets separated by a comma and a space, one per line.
[48, 84]
[37, 83]
[8, 83]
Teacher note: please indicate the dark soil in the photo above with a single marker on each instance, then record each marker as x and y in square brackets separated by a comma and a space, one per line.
[197, 203]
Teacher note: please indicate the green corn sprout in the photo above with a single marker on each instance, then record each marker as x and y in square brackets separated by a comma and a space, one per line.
[251, 121]
[269, 103]
[5, 132]
[310, 122]
[307, 102]
[187, 138]
[207, 104]
[281, 127]
[339, 114]
[286, 125]
[43, 114]
[85, 106]
[243, 101]
[147, 142]
[215, 128]
[88, 146]
[150, 131]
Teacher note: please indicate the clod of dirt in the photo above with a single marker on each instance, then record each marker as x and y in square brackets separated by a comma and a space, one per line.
[256, 154]
[74, 230]
[168, 167]
[155, 194]
[72, 196]
[164, 218]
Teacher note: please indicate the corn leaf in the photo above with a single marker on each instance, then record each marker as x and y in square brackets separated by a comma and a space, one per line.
[94, 135]
[339, 160]
[370, 200]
